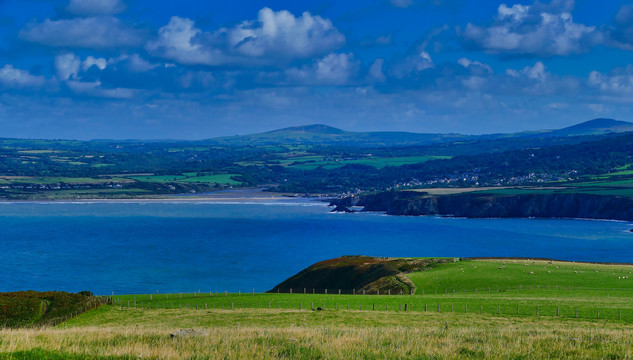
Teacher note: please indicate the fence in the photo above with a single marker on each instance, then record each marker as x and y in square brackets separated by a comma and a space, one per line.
[442, 303]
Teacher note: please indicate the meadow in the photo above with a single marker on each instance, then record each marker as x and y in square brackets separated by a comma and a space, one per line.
[461, 310]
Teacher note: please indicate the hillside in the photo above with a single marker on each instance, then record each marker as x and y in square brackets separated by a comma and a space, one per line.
[31, 308]
[505, 308]
[358, 274]
[594, 127]
[326, 135]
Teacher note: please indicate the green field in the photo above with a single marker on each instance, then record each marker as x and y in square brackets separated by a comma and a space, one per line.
[308, 162]
[501, 287]
[565, 311]
[189, 178]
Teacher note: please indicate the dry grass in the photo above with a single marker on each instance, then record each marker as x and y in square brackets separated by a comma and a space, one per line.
[359, 335]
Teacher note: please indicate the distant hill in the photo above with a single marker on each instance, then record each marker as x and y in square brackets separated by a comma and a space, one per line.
[594, 127]
[319, 134]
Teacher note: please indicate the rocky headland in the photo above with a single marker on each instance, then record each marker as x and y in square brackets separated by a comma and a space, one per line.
[482, 205]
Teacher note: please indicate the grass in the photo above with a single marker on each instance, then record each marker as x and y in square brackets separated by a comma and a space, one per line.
[291, 334]
[473, 322]
[557, 289]
[188, 178]
[57, 180]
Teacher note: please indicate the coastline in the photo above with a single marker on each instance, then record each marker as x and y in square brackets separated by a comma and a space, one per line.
[257, 195]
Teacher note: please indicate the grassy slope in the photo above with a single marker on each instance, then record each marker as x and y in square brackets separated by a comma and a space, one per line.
[284, 331]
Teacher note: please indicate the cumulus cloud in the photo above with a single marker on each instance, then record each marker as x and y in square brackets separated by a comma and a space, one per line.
[17, 78]
[333, 69]
[534, 30]
[104, 32]
[534, 72]
[412, 64]
[95, 7]
[618, 82]
[375, 71]
[67, 66]
[91, 61]
[474, 66]
[274, 36]
[134, 63]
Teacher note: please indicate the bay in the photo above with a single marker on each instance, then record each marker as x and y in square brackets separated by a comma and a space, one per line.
[145, 247]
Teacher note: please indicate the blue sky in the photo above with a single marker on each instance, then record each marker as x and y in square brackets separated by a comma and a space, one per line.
[194, 69]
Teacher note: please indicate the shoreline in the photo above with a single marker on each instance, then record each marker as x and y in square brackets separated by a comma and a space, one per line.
[233, 195]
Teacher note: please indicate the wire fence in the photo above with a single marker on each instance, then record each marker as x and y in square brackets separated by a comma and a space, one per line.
[472, 307]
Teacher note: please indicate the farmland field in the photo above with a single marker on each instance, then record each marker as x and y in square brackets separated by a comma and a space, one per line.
[583, 320]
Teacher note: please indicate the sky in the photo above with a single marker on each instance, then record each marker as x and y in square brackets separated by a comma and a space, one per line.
[196, 69]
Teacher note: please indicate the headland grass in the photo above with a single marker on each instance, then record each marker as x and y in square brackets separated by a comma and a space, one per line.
[581, 315]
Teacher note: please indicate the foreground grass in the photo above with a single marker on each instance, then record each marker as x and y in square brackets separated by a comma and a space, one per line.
[111, 333]
[500, 287]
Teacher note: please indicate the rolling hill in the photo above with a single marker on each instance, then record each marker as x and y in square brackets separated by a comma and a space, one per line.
[319, 134]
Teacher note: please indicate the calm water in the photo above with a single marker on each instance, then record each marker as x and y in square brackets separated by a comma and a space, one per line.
[149, 247]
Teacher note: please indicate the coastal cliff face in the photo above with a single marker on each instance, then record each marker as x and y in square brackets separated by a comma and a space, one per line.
[496, 206]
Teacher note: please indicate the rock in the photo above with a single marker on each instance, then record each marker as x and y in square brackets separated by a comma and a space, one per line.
[342, 208]
[188, 333]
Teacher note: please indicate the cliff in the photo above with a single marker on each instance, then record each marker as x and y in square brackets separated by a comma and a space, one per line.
[480, 205]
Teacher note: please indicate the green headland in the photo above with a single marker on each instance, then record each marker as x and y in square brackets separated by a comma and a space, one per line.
[455, 309]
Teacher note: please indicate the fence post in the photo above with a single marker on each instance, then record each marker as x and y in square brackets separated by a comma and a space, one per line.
[291, 290]
[619, 314]
[537, 310]
[425, 307]
[576, 313]
[597, 313]
[438, 307]
[253, 291]
[339, 291]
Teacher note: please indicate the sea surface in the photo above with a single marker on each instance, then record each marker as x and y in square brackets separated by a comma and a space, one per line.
[145, 247]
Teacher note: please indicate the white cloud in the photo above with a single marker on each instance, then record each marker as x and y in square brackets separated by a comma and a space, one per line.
[535, 72]
[412, 64]
[135, 63]
[181, 41]
[333, 69]
[537, 30]
[16, 78]
[67, 66]
[90, 61]
[474, 65]
[618, 82]
[375, 71]
[95, 7]
[102, 32]
[274, 36]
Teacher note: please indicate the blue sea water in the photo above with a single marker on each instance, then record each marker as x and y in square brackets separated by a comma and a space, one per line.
[144, 247]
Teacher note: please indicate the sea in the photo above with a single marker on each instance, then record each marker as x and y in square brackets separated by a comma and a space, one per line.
[186, 246]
